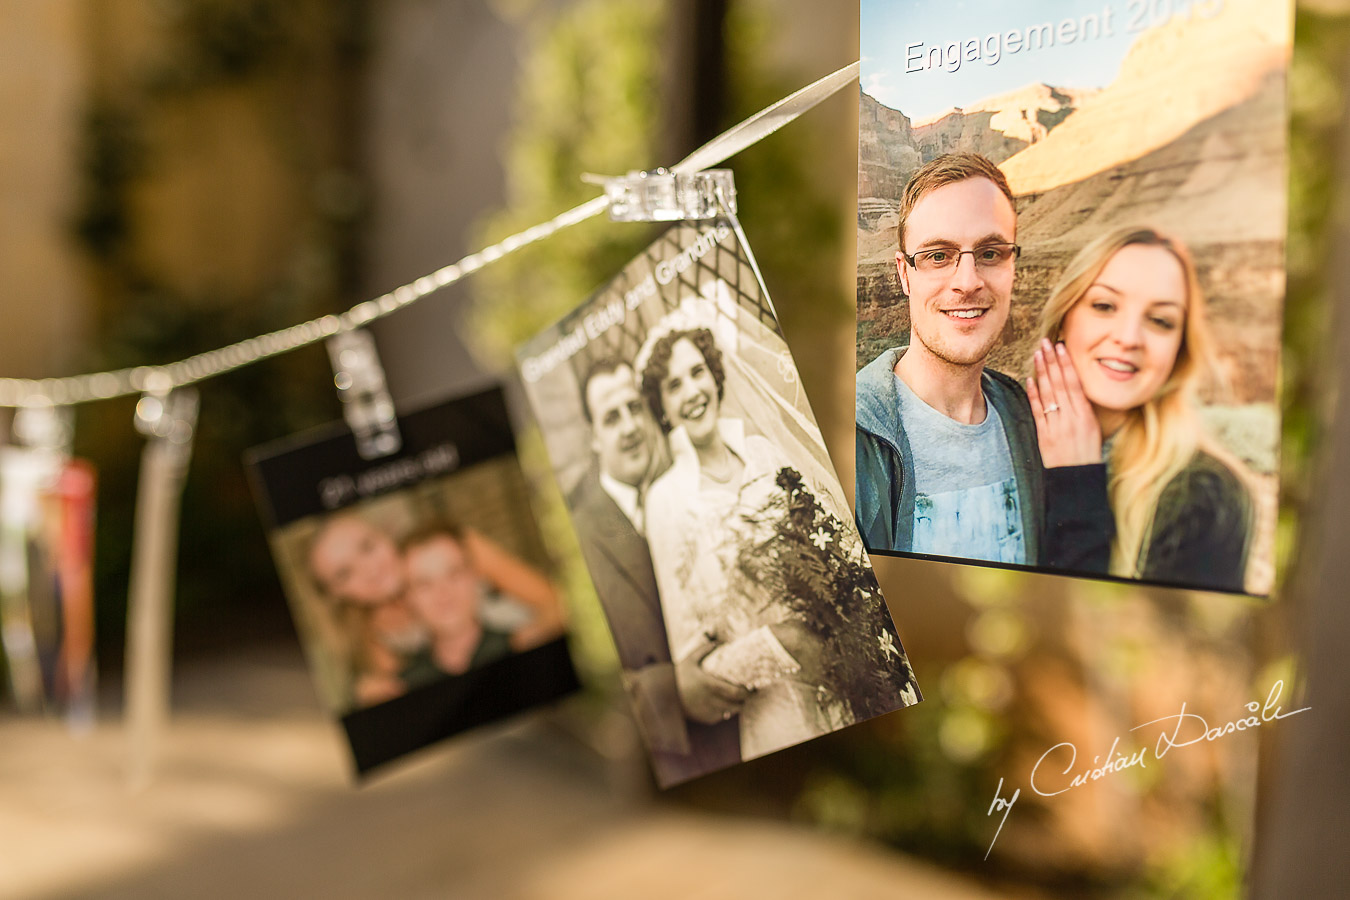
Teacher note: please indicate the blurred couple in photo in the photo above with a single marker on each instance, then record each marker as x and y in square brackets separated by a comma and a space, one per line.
[438, 603]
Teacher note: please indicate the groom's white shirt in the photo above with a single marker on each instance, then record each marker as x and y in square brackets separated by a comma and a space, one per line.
[625, 496]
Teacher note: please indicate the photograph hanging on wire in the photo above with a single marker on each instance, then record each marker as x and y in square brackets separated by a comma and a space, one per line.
[1071, 243]
[742, 604]
[47, 583]
[418, 581]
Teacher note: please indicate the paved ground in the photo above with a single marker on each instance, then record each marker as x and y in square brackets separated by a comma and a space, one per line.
[252, 799]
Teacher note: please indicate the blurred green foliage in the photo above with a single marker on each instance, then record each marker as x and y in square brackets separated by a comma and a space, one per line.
[586, 105]
[1317, 103]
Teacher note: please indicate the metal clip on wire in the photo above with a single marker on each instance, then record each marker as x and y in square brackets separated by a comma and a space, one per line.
[169, 416]
[45, 427]
[366, 403]
[664, 196]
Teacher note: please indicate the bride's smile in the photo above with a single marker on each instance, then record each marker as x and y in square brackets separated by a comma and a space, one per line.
[689, 392]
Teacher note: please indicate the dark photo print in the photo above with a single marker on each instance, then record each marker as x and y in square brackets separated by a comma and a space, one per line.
[418, 581]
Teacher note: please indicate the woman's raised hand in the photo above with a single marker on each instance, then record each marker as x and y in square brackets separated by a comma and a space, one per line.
[1066, 427]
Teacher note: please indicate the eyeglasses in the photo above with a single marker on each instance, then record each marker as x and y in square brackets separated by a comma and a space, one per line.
[986, 256]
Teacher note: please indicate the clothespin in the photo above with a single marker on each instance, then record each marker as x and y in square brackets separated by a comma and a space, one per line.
[167, 413]
[44, 427]
[661, 195]
[366, 403]
[167, 416]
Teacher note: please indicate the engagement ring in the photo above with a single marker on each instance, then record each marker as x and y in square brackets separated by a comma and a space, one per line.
[1052, 407]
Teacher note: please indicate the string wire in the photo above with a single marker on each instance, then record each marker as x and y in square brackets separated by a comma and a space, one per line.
[70, 390]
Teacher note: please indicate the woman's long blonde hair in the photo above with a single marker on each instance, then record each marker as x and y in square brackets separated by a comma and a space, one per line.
[1158, 439]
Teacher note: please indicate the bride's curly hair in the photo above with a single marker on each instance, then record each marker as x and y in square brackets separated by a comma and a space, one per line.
[658, 368]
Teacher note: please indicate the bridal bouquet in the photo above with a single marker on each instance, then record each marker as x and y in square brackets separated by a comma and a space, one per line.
[808, 559]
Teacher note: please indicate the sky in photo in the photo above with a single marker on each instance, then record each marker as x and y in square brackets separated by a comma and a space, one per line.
[889, 25]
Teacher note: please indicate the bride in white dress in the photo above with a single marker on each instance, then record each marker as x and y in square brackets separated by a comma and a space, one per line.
[701, 517]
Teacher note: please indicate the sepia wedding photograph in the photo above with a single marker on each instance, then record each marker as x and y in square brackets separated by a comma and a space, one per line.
[744, 609]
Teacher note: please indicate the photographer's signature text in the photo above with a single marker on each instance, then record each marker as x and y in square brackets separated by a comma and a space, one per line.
[1057, 771]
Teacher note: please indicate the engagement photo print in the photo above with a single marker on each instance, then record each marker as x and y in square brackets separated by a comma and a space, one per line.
[1071, 237]
[418, 581]
[722, 550]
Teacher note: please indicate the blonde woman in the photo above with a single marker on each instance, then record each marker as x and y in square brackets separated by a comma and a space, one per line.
[1134, 485]
[359, 571]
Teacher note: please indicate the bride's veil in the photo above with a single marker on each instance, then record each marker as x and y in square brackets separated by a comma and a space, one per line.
[762, 385]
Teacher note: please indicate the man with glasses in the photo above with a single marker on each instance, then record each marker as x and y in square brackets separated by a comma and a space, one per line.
[947, 459]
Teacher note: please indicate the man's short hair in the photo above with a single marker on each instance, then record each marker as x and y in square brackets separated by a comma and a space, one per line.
[950, 168]
[603, 365]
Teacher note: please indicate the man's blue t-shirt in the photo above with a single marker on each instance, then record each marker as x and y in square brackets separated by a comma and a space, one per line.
[966, 501]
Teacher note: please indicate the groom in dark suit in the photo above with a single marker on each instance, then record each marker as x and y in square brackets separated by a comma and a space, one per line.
[690, 719]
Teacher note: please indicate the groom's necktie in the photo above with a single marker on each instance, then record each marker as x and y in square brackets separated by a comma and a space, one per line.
[640, 513]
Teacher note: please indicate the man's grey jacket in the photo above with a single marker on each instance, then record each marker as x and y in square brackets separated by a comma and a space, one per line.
[885, 465]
